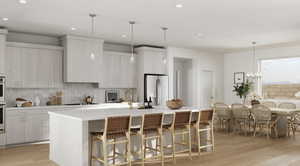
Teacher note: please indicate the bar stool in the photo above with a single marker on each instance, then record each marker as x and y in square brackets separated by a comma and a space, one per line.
[181, 125]
[114, 128]
[205, 123]
[151, 129]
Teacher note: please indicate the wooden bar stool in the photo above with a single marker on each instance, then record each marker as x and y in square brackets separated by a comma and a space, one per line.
[205, 123]
[181, 125]
[115, 128]
[151, 129]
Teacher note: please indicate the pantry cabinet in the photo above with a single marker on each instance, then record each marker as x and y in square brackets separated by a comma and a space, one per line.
[33, 66]
[117, 71]
[82, 59]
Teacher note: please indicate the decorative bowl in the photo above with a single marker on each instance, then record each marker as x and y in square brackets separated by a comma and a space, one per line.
[175, 104]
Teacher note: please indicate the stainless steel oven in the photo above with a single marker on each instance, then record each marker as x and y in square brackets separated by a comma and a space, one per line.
[2, 118]
[2, 89]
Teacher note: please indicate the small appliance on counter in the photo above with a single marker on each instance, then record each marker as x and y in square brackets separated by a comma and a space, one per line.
[112, 96]
[89, 100]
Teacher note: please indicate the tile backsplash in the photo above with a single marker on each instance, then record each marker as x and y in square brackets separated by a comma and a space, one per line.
[72, 93]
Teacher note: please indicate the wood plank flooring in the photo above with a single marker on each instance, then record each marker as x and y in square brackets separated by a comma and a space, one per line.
[231, 150]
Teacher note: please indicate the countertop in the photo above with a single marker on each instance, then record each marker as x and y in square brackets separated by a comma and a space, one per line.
[63, 107]
[101, 112]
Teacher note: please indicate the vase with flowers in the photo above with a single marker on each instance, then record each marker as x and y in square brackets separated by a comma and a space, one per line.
[242, 89]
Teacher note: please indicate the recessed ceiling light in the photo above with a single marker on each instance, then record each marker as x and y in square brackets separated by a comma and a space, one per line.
[123, 36]
[179, 5]
[5, 19]
[73, 28]
[22, 1]
[199, 35]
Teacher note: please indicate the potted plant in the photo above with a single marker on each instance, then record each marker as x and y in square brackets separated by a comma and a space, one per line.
[242, 89]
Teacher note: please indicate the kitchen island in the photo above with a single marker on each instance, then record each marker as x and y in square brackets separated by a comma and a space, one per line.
[69, 130]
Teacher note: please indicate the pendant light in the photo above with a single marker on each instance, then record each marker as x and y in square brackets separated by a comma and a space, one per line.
[93, 16]
[253, 75]
[131, 23]
[165, 44]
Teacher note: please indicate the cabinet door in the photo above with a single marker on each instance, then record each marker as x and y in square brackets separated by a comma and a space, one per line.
[37, 127]
[128, 72]
[15, 128]
[83, 59]
[29, 62]
[13, 67]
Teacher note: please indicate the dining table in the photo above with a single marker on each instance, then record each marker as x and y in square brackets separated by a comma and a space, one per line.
[281, 114]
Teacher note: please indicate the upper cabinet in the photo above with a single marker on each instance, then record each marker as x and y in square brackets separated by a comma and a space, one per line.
[33, 66]
[3, 33]
[150, 60]
[83, 59]
[117, 71]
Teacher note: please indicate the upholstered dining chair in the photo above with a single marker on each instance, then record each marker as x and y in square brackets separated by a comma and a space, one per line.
[263, 120]
[241, 117]
[269, 104]
[224, 115]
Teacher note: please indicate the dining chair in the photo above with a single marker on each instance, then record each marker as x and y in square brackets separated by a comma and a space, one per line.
[224, 116]
[263, 120]
[241, 117]
[295, 123]
[290, 117]
[116, 131]
[269, 104]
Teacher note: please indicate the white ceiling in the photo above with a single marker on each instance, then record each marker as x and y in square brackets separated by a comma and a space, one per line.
[226, 24]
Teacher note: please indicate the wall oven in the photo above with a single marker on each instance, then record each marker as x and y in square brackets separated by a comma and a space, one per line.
[2, 89]
[2, 118]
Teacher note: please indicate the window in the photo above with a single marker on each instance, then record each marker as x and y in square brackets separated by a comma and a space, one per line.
[281, 78]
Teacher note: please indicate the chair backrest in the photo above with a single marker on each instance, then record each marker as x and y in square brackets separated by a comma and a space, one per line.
[117, 124]
[261, 112]
[240, 111]
[152, 121]
[287, 105]
[182, 118]
[269, 104]
[222, 110]
[206, 115]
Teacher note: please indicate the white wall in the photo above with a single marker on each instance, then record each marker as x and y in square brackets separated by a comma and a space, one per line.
[201, 61]
[242, 62]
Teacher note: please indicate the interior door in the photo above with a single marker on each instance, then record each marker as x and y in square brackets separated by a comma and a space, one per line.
[207, 88]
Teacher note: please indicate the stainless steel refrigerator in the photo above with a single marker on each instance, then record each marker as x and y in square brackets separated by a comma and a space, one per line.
[156, 87]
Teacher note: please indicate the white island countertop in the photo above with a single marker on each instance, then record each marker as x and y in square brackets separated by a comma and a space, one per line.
[103, 111]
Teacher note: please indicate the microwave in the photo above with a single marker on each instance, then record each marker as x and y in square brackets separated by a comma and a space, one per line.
[2, 89]
[112, 96]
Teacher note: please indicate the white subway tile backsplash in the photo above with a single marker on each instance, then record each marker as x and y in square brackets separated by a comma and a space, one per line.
[72, 93]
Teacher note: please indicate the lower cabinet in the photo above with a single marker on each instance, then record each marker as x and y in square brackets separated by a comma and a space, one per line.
[24, 126]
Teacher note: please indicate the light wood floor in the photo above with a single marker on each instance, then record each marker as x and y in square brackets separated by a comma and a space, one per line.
[231, 150]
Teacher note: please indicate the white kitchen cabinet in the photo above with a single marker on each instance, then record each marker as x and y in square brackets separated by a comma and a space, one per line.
[117, 71]
[33, 66]
[82, 59]
[151, 60]
[37, 127]
[15, 127]
[29, 126]
[3, 33]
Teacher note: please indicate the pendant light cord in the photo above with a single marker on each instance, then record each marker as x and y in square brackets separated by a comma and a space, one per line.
[131, 36]
[254, 52]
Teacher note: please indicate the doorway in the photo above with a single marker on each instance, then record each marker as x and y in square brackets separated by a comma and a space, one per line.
[183, 80]
[207, 88]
